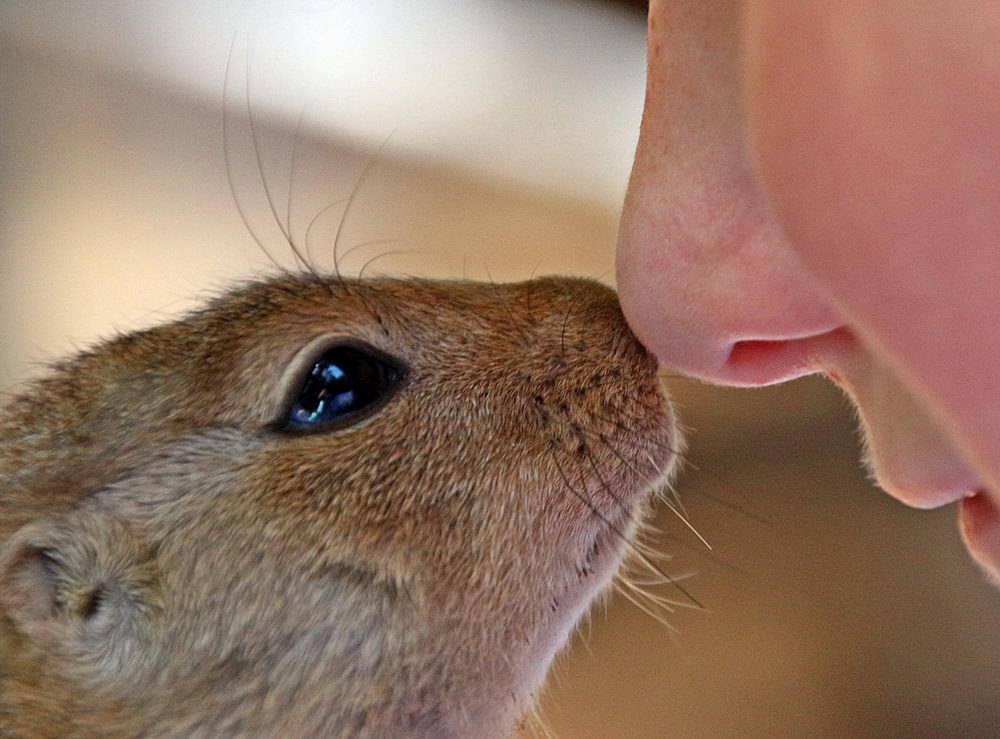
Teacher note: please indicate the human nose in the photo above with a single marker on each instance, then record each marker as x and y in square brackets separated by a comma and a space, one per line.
[706, 278]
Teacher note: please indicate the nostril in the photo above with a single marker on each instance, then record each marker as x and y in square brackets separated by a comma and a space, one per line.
[756, 350]
[766, 361]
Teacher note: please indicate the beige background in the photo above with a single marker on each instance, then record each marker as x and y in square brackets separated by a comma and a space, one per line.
[833, 610]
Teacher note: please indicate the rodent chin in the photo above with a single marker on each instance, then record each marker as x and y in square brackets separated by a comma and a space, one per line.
[172, 559]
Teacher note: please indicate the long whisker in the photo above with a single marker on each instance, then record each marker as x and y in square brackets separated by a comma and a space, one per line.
[713, 556]
[381, 256]
[687, 523]
[593, 464]
[263, 173]
[641, 557]
[676, 511]
[365, 244]
[539, 724]
[291, 174]
[668, 604]
[732, 506]
[687, 462]
[741, 509]
[315, 219]
[676, 453]
[645, 609]
[650, 551]
[229, 164]
[659, 581]
[562, 331]
[351, 199]
[256, 147]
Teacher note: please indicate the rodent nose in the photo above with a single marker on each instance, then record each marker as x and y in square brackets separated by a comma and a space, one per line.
[728, 304]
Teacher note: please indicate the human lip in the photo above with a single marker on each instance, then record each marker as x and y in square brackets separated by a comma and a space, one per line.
[907, 452]
[927, 483]
[979, 522]
[929, 497]
[978, 511]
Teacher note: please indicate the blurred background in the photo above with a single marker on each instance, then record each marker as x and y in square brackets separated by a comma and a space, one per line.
[489, 139]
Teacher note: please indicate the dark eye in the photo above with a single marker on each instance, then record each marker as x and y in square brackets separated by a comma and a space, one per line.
[343, 381]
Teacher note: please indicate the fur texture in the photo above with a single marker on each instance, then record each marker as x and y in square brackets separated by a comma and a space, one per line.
[171, 564]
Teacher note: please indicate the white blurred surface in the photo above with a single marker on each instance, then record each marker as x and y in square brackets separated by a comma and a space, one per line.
[510, 127]
[545, 95]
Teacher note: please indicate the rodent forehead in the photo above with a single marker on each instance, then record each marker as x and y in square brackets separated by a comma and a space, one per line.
[439, 328]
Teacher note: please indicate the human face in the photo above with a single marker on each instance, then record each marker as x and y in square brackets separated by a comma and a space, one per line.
[817, 189]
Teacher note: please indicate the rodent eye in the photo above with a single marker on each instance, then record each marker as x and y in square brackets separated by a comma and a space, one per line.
[343, 381]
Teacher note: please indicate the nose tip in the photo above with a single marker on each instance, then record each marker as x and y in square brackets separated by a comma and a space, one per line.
[747, 362]
[761, 327]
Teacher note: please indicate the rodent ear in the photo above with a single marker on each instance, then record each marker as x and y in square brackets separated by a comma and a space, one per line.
[28, 586]
[72, 571]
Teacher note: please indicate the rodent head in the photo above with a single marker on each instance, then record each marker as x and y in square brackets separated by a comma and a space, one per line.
[178, 556]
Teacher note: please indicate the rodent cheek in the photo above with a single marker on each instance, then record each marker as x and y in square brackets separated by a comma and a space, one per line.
[910, 455]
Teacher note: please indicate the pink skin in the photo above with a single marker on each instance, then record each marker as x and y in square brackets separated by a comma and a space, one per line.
[817, 189]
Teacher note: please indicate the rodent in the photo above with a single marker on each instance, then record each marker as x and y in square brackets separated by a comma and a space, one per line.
[320, 506]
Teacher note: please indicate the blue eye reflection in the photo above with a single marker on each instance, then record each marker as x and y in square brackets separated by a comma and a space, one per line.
[343, 381]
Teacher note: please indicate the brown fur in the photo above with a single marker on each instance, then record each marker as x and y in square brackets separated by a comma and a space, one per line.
[170, 565]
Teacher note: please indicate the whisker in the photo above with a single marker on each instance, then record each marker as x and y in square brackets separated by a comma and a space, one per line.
[723, 501]
[256, 147]
[539, 724]
[641, 557]
[364, 244]
[562, 332]
[668, 488]
[351, 199]
[229, 164]
[648, 611]
[291, 173]
[628, 463]
[381, 256]
[262, 173]
[603, 439]
[649, 551]
[312, 222]
[660, 581]
[712, 555]
[668, 604]
[687, 523]
[607, 488]
[732, 506]
[531, 278]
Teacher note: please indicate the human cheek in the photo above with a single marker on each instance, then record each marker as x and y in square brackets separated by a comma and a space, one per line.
[706, 278]
[877, 147]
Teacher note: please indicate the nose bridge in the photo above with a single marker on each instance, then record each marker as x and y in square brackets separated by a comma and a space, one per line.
[708, 281]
